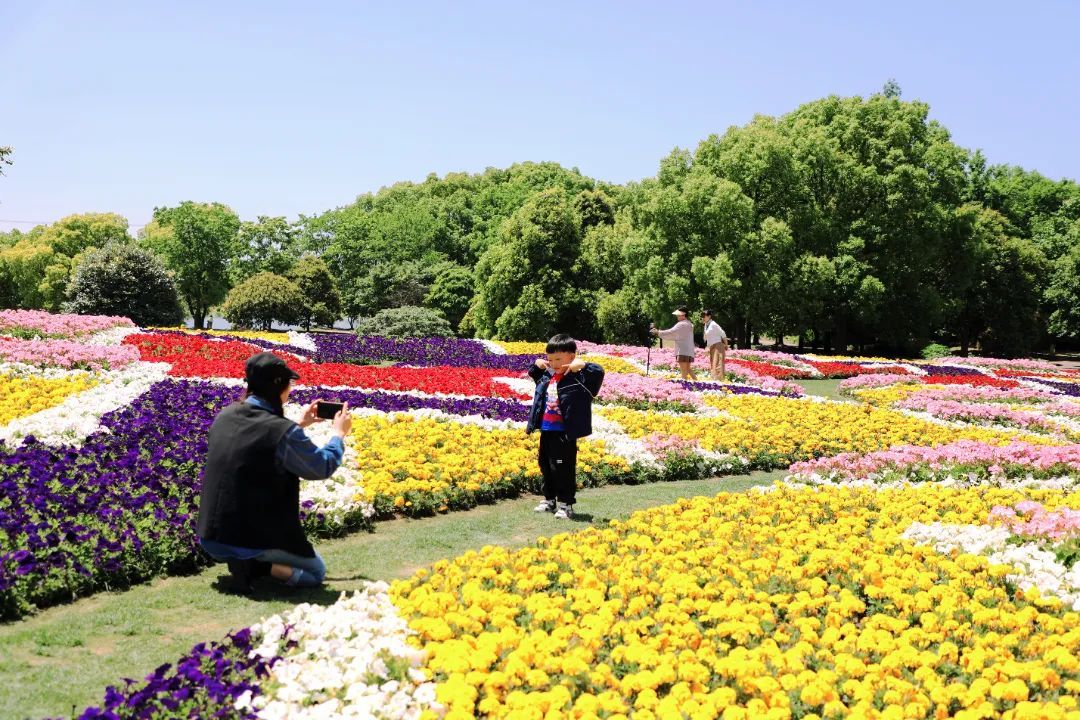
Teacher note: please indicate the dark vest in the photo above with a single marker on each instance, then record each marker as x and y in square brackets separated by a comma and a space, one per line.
[246, 501]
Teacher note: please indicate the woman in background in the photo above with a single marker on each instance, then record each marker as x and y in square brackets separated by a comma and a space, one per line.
[682, 333]
[716, 342]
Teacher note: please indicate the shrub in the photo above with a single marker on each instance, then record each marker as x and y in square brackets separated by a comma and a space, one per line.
[935, 350]
[261, 299]
[122, 279]
[408, 321]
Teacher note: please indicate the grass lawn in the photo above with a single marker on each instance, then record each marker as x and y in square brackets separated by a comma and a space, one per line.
[61, 659]
[825, 388]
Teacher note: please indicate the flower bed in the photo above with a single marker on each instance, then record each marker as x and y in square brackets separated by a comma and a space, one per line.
[65, 354]
[79, 414]
[850, 385]
[349, 660]
[978, 413]
[1070, 389]
[28, 324]
[488, 407]
[22, 395]
[196, 357]
[648, 393]
[349, 348]
[120, 508]
[422, 465]
[767, 369]
[847, 370]
[733, 388]
[973, 460]
[974, 380]
[802, 603]
[773, 432]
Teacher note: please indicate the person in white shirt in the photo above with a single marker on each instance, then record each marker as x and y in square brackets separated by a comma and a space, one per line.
[682, 332]
[716, 342]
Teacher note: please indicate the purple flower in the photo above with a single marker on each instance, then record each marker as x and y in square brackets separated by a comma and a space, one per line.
[455, 352]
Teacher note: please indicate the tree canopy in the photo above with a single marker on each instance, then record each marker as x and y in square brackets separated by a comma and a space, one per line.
[849, 221]
[195, 240]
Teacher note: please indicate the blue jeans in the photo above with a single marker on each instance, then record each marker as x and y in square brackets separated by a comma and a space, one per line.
[307, 572]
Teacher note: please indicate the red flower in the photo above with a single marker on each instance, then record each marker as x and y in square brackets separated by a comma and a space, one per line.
[850, 369]
[775, 371]
[192, 356]
[975, 380]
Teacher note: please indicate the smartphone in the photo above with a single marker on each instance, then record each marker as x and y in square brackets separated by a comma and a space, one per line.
[327, 410]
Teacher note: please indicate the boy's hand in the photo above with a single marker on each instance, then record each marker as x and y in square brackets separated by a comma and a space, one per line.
[577, 365]
[542, 363]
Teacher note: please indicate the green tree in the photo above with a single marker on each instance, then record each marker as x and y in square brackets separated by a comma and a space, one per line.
[1001, 308]
[386, 249]
[451, 292]
[261, 299]
[5, 159]
[692, 243]
[408, 321]
[270, 244]
[594, 207]
[77, 233]
[122, 279]
[195, 241]
[1063, 293]
[322, 303]
[38, 265]
[526, 283]
[620, 319]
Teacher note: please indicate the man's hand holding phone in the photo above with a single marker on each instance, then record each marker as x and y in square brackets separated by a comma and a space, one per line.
[325, 410]
[343, 421]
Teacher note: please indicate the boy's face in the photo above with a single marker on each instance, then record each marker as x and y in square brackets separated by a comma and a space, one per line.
[559, 360]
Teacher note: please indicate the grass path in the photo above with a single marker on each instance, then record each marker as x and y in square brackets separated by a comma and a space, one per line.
[825, 388]
[62, 659]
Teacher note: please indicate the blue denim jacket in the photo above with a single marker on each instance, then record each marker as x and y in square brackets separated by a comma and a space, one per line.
[576, 393]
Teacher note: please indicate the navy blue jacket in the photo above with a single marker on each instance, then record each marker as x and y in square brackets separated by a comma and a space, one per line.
[576, 393]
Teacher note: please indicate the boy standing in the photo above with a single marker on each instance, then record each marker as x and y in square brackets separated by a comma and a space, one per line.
[562, 412]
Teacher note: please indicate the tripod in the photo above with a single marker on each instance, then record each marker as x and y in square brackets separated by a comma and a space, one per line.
[648, 350]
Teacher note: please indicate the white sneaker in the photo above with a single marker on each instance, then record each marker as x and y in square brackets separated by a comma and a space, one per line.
[546, 506]
[564, 512]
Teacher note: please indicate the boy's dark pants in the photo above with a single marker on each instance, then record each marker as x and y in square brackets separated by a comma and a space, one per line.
[558, 464]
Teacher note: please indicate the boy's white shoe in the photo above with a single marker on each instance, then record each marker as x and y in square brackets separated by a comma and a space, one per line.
[564, 512]
[546, 506]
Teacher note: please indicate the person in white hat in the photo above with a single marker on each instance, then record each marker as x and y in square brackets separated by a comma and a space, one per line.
[682, 332]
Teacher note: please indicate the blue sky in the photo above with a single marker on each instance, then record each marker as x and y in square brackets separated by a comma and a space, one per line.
[284, 108]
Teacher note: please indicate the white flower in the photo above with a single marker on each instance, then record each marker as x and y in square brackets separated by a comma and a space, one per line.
[334, 662]
[79, 415]
[1034, 566]
[111, 337]
[302, 340]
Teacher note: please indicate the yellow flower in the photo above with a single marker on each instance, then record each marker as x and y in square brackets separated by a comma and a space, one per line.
[749, 606]
[22, 395]
[407, 462]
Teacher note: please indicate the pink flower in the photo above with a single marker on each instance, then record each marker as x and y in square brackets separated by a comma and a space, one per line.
[49, 325]
[66, 354]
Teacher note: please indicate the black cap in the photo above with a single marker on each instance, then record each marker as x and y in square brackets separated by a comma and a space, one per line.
[267, 367]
